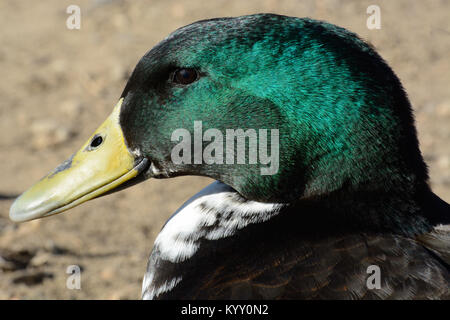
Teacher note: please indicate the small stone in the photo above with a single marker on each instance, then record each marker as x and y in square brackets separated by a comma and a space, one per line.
[40, 259]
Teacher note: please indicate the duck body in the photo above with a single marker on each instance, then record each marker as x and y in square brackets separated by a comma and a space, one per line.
[222, 246]
[350, 192]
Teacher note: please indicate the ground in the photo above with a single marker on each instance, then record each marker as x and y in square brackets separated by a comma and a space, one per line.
[58, 85]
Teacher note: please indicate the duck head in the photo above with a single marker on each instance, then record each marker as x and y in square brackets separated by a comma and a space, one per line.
[335, 116]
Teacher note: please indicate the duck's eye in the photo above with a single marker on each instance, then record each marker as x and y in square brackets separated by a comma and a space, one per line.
[96, 141]
[185, 76]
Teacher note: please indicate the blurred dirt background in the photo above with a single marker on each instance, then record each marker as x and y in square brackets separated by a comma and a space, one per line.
[58, 85]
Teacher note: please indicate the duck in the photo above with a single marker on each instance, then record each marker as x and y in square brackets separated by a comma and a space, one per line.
[343, 209]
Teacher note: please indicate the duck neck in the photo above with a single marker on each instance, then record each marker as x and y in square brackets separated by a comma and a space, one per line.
[204, 225]
[395, 210]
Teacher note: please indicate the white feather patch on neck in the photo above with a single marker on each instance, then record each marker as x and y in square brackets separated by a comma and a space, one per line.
[215, 212]
[149, 292]
[442, 227]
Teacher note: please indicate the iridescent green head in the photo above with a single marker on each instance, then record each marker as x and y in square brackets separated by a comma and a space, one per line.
[342, 117]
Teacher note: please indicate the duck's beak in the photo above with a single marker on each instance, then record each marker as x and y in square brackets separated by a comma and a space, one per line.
[102, 164]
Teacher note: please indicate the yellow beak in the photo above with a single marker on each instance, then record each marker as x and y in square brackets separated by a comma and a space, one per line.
[103, 163]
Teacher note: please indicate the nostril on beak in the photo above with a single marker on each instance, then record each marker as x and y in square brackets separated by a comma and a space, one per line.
[96, 141]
